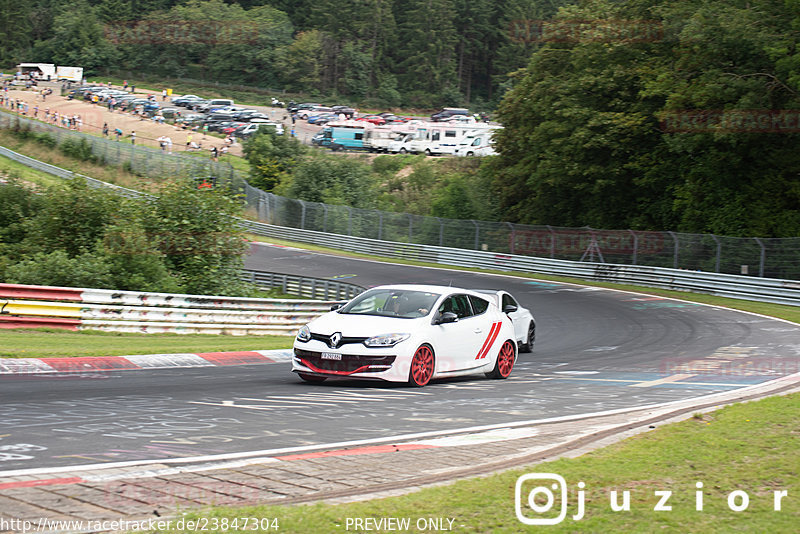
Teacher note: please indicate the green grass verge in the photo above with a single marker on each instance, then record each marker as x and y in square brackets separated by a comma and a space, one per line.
[12, 169]
[43, 343]
[750, 447]
[789, 313]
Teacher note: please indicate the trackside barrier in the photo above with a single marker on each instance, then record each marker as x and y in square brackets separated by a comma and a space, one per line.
[26, 306]
[771, 290]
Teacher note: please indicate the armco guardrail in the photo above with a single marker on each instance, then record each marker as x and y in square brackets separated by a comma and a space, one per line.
[741, 287]
[312, 288]
[25, 306]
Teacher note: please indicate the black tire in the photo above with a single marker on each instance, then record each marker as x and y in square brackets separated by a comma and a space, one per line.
[428, 152]
[313, 379]
[403, 151]
[529, 341]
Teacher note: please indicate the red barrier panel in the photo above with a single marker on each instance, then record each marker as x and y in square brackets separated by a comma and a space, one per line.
[10, 321]
[19, 291]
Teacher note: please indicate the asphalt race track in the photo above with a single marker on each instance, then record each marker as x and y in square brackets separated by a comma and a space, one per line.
[596, 350]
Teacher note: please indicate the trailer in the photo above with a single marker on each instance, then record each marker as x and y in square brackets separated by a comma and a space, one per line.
[69, 74]
[38, 71]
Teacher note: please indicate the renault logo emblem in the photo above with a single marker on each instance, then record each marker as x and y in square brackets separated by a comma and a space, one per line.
[335, 339]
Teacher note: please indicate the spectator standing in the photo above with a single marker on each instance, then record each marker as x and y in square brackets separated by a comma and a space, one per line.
[133, 137]
[163, 95]
[105, 129]
[214, 153]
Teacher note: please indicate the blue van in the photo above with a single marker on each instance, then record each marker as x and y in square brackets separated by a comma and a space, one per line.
[343, 137]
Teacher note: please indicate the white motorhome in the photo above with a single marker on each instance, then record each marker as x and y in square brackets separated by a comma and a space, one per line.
[478, 143]
[378, 138]
[442, 138]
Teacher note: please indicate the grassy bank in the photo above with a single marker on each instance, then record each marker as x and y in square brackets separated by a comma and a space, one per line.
[748, 447]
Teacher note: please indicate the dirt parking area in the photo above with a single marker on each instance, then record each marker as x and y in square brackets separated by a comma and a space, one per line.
[93, 116]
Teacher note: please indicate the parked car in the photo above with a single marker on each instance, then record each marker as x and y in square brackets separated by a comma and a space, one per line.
[250, 129]
[294, 108]
[447, 113]
[183, 99]
[215, 103]
[394, 119]
[407, 333]
[373, 119]
[322, 118]
[306, 113]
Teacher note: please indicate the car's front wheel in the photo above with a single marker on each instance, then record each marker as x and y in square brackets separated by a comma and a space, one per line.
[422, 365]
[505, 361]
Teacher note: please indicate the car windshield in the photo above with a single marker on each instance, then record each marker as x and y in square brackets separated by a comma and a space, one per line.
[401, 303]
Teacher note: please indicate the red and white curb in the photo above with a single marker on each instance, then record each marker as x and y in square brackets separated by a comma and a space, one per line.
[501, 434]
[28, 366]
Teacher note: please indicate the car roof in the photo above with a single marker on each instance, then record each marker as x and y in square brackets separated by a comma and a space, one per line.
[428, 288]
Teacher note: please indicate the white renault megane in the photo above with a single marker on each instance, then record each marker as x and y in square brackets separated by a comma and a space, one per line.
[408, 333]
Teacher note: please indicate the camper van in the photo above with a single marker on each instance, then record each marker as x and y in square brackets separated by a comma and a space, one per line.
[441, 138]
[477, 143]
[378, 138]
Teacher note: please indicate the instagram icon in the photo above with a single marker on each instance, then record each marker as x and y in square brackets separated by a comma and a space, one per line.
[535, 498]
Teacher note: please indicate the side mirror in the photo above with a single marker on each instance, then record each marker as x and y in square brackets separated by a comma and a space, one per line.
[509, 308]
[447, 317]
[335, 307]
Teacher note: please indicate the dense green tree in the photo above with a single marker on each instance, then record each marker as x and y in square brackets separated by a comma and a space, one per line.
[590, 127]
[271, 156]
[200, 241]
[15, 27]
[425, 52]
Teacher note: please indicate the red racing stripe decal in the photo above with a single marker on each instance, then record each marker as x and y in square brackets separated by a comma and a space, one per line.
[487, 344]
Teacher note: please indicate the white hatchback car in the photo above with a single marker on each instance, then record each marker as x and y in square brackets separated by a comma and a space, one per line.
[524, 323]
[408, 333]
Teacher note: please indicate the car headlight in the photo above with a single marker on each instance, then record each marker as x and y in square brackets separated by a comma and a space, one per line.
[386, 340]
[304, 334]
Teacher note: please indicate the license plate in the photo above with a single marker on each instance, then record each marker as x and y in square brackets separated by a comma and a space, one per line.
[331, 356]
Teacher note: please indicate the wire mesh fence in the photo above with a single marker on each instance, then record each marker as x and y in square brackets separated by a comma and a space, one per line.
[771, 258]
[763, 257]
[138, 159]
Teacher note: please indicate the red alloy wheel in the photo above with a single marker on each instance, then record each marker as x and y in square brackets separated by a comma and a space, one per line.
[505, 362]
[421, 367]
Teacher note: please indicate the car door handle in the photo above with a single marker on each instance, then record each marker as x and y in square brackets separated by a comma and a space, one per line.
[478, 330]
